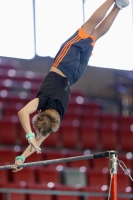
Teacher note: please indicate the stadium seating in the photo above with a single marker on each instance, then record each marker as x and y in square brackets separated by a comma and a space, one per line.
[27, 175]
[46, 175]
[96, 178]
[8, 131]
[39, 196]
[13, 195]
[108, 138]
[126, 138]
[89, 136]
[50, 155]
[80, 163]
[96, 198]
[53, 140]
[69, 131]
[65, 197]
[7, 156]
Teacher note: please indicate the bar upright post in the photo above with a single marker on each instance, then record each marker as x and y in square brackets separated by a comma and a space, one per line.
[113, 171]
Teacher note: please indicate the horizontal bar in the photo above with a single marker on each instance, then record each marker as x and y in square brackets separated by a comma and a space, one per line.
[69, 159]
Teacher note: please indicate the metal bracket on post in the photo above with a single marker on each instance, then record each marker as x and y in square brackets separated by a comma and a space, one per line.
[113, 172]
[113, 162]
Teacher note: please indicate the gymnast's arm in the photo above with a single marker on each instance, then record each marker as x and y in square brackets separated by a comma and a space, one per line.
[28, 151]
[24, 116]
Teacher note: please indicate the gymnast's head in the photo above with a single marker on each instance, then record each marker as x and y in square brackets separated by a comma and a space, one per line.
[46, 122]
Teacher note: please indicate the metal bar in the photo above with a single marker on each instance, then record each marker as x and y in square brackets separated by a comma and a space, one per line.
[59, 192]
[47, 162]
[34, 22]
[83, 2]
[52, 192]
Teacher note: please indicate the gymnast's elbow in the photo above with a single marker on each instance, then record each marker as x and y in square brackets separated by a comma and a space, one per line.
[21, 112]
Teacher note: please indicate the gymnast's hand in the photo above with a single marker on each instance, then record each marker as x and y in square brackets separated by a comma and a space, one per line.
[33, 145]
[17, 163]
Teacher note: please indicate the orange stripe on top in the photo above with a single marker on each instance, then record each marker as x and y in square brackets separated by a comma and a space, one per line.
[65, 50]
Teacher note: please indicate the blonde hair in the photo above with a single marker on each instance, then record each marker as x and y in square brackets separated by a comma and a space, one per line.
[47, 121]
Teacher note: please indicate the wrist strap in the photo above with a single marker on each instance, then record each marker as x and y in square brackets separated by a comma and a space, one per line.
[29, 135]
[20, 157]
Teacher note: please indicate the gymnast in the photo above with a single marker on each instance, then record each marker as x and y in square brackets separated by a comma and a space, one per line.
[68, 66]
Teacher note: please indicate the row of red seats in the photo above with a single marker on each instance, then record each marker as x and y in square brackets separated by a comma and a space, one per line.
[56, 187]
[84, 136]
[95, 180]
[18, 75]
[41, 187]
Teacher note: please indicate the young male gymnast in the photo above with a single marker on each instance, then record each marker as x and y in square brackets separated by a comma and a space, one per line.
[69, 64]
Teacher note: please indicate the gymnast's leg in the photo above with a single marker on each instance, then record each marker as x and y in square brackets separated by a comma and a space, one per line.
[96, 18]
[105, 25]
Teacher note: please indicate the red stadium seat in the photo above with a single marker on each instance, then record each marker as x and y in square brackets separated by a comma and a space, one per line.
[65, 197]
[14, 196]
[10, 112]
[4, 177]
[50, 155]
[73, 114]
[101, 164]
[52, 140]
[91, 118]
[21, 135]
[97, 178]
[79, 163]
[21, 75]
[95, 188]
[126, 139]
[27, 175]
[20, 196]
[89, 136]
[39, 196]
[108, 138]
[109, 119]
[46, 175]
[92, 105]
[7, 156]
[125, 121]
[35, 157]
[8, 132]
[123, 182]
[69, 136]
